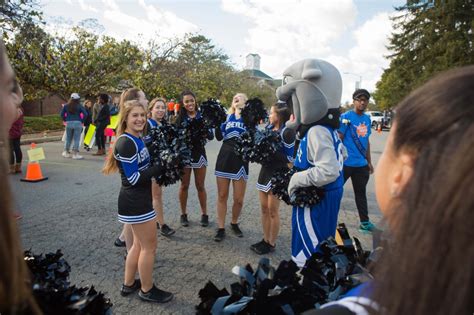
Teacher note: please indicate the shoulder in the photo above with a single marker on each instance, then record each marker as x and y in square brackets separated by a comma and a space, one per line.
[126, 145]
[319, 131]
[288, 135]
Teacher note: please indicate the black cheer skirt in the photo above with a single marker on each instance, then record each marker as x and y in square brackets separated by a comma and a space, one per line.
[229, 164]
[135, 204]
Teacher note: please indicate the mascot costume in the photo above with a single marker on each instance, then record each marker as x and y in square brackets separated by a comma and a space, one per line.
[312, 88]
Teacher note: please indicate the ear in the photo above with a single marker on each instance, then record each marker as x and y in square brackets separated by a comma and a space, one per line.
[402, 174]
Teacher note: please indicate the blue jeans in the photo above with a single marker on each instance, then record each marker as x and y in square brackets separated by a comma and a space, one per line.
[73, 131]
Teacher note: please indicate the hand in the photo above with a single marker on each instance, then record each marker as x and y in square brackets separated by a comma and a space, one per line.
[292, 185]
[371, 168]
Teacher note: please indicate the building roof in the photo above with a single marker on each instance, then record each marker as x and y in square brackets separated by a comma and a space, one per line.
[257, 74]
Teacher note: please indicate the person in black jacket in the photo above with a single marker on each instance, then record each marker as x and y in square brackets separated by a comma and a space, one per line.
[101, 122]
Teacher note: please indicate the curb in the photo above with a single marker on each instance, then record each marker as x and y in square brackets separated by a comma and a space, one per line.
[40, 140]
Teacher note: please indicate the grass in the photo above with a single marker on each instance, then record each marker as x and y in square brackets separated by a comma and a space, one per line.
[41, 124]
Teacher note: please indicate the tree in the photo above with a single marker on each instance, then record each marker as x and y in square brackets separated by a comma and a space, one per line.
[430, 37]
[15, 13]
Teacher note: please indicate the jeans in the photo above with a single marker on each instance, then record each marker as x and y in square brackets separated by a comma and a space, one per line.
[359, 177]
[100, 136]
[73, 131]
[15, 151]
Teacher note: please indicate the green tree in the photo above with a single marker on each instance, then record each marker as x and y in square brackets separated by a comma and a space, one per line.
[15, 13]
[430, 36]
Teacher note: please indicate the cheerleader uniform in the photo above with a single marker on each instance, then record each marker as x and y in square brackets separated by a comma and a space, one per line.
[229, 164]
[135, 199]
[198, 151]
[280, 160]
[310, 226]
[152, 124]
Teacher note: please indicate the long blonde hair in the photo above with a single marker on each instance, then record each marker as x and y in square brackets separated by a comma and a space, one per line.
[111, 165]
[232, 108]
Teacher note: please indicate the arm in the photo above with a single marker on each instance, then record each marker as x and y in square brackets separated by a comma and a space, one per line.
[126, 153]
[288, 139]
[219, 135]
[63, 112]
[95, 110]
[322, 154]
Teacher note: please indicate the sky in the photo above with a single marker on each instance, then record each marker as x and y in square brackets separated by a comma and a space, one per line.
[351, 34]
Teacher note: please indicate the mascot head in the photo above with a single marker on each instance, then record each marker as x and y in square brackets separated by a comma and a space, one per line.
[312, 88]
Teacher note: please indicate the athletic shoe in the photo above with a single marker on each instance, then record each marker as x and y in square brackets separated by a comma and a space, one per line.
[66, 154]
[264, 248]
[220, 235]
[155, 295]
[127, 290]
[119, 243]
[235, 228]
[166, 230]
[367, 227]
[253, 246]
[76, 156]
[184, 220]
[204, 220]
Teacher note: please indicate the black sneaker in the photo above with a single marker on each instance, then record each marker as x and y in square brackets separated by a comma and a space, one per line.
[204, 220]
[253, 246]
[155, 295]
[119, 243]
[264, 248]
[126, 290]
[220, 235]
[166, 230]
[235, 228]
[184, 220]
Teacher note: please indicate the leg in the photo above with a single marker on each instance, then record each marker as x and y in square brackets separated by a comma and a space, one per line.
[156, 192]
[199, 181]
[131, 262]
[127, 236]
[98, 138]
[17, 149]
[222, 196]
[12, 151]
[347, 172]
[183, 189]
[360, 178]
[239, 193]
[265, 214]
[274, 209]
[145, 236]
[69, 134]
[77, 136]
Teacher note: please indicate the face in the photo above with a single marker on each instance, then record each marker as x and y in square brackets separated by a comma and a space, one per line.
[273, 116]
[360, 103]
[158, 111]
[8, 99]
[142, 99]
[238, 102]
[136, 120]
[189, 103]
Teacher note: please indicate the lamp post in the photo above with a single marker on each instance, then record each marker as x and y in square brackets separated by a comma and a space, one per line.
[358, 84]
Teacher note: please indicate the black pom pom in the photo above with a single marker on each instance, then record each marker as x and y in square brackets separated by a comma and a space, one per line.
[266, 143]
[213, 113]
[253, 112]
[243, 146]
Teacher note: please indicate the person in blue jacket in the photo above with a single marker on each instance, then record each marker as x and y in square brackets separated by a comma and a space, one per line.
[74, 114]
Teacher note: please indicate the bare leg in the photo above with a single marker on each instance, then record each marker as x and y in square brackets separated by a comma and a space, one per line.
[131, 262]
[128, 236]
[274, 207]
[183, 190]
[156, 191]
[239, 193]
[222, 196]
[145, 234]
[199, 181]
[265, 215]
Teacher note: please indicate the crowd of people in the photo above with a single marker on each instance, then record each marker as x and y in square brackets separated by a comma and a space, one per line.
[423, 187]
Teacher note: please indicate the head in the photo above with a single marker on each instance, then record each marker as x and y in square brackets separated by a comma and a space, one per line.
[188, 102]
[424, 188]
[73, 102]
[133, 94]
[14, 290]
[238, 102]
[103, 98]
[132, 119]
[360, 99]
[157, 108]
[279, 114]
[88, 104]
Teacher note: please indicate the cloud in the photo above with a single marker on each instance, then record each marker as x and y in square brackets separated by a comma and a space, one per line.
[86, 7]
[282, 32]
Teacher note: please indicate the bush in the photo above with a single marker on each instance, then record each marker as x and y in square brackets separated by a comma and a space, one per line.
[44, 123]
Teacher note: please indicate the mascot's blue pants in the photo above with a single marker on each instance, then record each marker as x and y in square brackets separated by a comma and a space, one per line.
[311, 226]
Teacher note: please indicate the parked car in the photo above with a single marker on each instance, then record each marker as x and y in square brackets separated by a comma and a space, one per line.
[375, 118]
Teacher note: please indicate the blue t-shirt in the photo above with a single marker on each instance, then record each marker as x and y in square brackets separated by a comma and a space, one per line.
[360, 125]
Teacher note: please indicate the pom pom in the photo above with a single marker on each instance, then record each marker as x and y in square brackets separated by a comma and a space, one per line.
[52, 290]
[326, 276]
[253, 112]
[302, 197]
[266, 143]
[243, 146]
[169, 148]
[213, 113]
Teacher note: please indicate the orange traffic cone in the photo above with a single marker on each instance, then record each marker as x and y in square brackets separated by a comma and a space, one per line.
[379, 128]
[33, 171]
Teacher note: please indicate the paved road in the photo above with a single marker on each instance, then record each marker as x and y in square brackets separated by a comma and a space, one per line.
[75, 210]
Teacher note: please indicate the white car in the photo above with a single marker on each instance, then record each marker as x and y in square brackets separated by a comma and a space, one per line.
[376, 118]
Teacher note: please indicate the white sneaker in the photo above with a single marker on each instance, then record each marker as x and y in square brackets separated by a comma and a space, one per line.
[66, 154]
[76, 156]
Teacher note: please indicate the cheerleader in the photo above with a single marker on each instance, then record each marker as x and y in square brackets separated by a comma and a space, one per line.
[156, 114]
[269, 203]
[188, 113]
[135, 208]
[230, 167]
